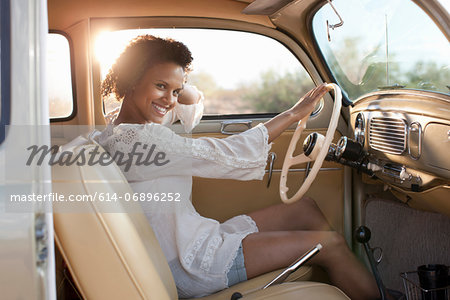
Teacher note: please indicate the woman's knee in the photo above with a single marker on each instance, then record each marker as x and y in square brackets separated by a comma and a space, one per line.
[308, 200]
[334, 248]
[337, 241]
[312, 204]
[320, 222]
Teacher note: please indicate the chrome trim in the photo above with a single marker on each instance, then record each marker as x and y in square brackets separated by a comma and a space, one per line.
[225, 124]
[396, 171]
[304, 170]
[272, 158]
[341, 146]
[307, 170]
[380, 256]
[294, 267]
[419, 142]
[388, 134]
[336, 25]
[318, 108]
[360, 129]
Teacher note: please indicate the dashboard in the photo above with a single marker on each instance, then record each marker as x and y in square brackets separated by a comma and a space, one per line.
[405, 135]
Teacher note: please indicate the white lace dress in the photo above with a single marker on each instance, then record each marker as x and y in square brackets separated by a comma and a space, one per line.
[200, 251]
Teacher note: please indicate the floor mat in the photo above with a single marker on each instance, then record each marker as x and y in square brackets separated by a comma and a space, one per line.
[408, 237]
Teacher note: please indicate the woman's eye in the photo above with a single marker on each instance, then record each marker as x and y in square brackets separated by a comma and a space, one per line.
[176, 93]
[160, 85]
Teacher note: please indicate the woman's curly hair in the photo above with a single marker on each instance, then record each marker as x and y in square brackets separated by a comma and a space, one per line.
[142, 53]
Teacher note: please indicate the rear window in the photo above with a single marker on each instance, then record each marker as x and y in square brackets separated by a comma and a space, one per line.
[59, 77]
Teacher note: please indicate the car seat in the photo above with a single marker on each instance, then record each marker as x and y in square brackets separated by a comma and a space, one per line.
[112, 252]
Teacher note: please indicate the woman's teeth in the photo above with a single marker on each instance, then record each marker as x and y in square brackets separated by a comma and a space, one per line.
[160, 109]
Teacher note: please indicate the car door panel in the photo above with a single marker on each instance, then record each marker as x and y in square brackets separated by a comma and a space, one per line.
[222, 199]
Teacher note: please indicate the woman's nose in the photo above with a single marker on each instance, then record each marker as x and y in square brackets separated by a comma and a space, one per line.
[170, 98]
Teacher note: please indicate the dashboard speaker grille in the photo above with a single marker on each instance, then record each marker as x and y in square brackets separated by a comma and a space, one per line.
[387, 135]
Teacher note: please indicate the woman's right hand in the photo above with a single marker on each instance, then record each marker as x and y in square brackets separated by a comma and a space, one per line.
[189, 95]
[301, 109]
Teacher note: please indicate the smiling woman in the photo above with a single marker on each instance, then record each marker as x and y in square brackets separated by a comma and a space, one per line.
[148, 77]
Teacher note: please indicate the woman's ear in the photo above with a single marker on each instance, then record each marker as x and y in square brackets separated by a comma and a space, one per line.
[129, 93]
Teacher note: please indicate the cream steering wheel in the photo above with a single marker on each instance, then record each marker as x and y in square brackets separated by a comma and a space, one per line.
[318, 153]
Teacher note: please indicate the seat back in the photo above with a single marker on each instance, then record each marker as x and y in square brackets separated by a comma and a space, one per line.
[109, 246]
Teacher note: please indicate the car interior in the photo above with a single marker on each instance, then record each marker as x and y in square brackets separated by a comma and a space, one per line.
[384, 163]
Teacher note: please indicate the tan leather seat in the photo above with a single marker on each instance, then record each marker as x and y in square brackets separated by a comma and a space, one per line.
[112, 252]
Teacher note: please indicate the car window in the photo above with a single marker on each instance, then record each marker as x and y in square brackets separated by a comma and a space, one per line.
[5, 65]
[238, 72]
[59, 77]
[383, 44]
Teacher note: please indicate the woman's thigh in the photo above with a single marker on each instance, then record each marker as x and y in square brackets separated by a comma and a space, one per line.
[271, 250]
[278, 249]
[301, 215]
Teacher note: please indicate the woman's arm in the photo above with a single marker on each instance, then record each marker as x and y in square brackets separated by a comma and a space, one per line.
[306, 104]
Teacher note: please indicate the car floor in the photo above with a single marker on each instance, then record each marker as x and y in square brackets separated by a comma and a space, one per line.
[409, 238]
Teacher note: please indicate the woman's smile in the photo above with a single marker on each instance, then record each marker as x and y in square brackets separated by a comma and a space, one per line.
[160, 109]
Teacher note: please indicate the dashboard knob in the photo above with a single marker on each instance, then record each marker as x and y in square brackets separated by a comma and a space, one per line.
[348, 149]
[363, 234]
[341, 146]
[309, 143]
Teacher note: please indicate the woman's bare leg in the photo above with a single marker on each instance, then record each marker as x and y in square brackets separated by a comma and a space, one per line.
[301, 215]
[272, 250]
[288, 231]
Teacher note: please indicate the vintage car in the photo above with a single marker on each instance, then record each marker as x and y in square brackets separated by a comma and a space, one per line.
[383, 164]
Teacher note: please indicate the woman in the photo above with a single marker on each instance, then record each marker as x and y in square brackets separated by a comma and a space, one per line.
[204, 255]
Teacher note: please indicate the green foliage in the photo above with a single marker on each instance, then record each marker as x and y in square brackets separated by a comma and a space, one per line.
[205, 83]
[359, 73]
[275, 92]
[428, 76]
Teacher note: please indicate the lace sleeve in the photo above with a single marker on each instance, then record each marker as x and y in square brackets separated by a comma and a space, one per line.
[242, 156]
[246, 150]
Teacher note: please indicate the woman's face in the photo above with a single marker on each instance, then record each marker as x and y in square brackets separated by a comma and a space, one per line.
[157, 92]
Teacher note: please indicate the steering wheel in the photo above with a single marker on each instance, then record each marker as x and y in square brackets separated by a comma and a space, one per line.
[316, 154]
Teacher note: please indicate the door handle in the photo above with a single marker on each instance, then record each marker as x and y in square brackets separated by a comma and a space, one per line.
[272, 158]
[225, 124]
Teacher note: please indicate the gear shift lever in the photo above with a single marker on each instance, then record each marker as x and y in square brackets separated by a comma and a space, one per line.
[362, 235]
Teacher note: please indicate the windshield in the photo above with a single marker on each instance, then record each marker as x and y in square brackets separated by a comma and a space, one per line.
[383, 44]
